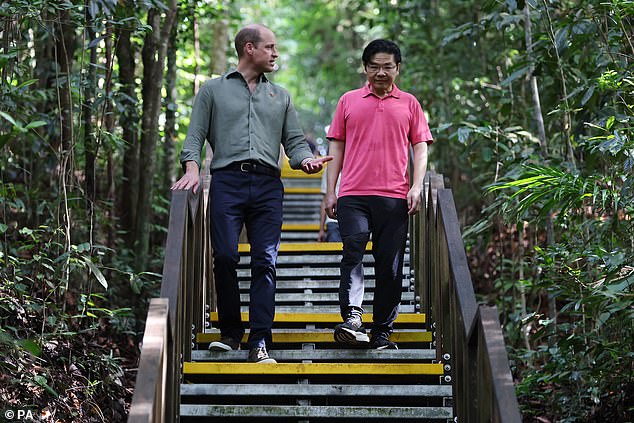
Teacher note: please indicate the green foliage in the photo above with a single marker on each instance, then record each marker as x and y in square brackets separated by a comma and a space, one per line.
[50, 328]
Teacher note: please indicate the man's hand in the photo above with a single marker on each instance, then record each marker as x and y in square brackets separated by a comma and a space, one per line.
[330, 205]
[414, 200]
[190, 179]
[315, 165]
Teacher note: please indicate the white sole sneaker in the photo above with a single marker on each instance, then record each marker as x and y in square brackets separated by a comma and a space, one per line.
[220, 346]
[349, 336]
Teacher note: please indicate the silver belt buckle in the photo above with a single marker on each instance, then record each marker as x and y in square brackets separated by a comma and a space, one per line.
[243, 167]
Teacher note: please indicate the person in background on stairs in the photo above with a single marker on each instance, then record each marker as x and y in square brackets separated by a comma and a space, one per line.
[246, 118]
[370, 137]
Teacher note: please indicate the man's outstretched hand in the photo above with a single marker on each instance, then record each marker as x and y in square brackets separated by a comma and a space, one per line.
[315, 165]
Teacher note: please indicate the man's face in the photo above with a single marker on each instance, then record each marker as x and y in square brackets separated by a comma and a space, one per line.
[265, 51]
[381, 71]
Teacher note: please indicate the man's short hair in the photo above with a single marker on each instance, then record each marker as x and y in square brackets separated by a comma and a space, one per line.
[381, 46]
[244, 36]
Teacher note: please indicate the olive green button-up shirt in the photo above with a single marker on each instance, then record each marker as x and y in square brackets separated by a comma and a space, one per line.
[241, 125]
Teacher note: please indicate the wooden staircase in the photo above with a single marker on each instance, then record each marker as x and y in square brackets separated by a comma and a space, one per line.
[316, 379]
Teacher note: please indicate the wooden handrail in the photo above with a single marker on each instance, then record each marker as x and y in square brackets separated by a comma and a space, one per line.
[150, 392]
[468, 337]
[185, 289]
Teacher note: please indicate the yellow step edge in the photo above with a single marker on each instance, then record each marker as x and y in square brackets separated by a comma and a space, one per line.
[319, 337]
[300, 227]
[302, 190]
[326, 317]
[313, 368]
[300, 174]
[305, 247]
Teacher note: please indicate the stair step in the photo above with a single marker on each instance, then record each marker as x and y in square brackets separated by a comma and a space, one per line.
[327, 317]
[299, 190]
[243, 368]
[307, 411]
[333, 260]
[300, 227]
[317, 284]
[317, 336]
[341, 355]
[315, 390]
[305, 248]
[320, 297]
[325, 308]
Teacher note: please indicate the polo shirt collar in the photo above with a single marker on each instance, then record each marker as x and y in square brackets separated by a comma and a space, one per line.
[235, 74]
[366, 91]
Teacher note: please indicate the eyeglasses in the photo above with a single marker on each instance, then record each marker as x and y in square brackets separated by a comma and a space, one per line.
[374, 68]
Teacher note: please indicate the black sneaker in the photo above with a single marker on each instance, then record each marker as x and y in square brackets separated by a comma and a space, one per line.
[381, 341]
[351, 331]
[226, 343]
[259, 355]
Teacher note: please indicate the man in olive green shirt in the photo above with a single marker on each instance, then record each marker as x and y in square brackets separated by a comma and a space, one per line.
[246, 119]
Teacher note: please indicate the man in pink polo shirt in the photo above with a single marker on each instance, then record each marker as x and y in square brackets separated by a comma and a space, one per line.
[370, 138]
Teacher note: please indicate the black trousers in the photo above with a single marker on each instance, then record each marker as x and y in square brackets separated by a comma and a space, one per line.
[386, 219]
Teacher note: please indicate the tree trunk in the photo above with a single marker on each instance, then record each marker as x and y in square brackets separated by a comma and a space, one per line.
[126, 208]
[170, 114]
[154, 52]
[539, 120]
[87, 115]
[219, 47]
[109, 124]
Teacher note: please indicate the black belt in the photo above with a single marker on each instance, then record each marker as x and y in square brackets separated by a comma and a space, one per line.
[250, 167]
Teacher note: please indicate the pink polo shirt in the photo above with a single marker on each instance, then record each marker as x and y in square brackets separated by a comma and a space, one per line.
[377, 134]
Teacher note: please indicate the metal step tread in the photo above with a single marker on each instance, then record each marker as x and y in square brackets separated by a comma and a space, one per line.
[321, 296]
[325, 308]
[302, 190]
[314, 390]
[243, 368]
[322, 355]
[316, 411]
[318, 336]
[327, 284]
[327, 317]
[307, 247]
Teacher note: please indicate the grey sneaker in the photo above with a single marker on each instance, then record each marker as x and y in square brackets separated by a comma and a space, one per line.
[259, 355]
[351, 331]
[225, 344]
[381, 341]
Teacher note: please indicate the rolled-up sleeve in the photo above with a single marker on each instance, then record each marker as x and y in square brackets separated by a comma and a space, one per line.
[199, 125]
[293, 139]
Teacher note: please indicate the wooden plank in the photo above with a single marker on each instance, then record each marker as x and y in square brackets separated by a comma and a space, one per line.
[307, 411]
[326, 317]
[317, 336]
[313, 390]
[198, 368]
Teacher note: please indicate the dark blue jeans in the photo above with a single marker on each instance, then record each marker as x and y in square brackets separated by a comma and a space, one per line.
[238, 198]
[387, 220]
